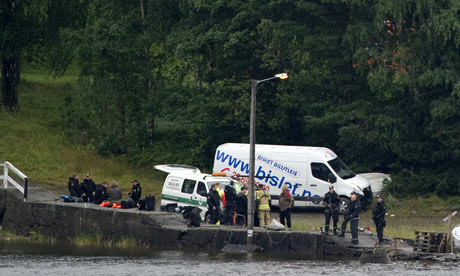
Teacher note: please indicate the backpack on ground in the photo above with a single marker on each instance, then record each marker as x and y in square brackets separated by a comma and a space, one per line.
[141, 204]
[150, 203]
[68, 198]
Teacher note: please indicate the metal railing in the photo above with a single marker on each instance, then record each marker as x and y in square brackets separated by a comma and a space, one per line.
[7, 168]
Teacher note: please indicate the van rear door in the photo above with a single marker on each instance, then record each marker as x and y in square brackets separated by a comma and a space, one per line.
[169, 168]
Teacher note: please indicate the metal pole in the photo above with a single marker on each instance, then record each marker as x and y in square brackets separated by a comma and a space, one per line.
[26, 188]
[252, 145]
[5, 175]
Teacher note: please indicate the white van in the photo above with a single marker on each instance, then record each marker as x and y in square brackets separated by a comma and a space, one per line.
[307, 171]
[187, 186]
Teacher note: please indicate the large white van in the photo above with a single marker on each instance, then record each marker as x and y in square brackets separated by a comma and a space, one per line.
[187, 186]
[307, 171]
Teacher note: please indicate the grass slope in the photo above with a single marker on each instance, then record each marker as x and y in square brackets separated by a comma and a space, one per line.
[32, 140]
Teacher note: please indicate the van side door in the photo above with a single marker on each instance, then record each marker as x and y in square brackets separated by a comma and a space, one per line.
[188, 188]
[198, 197]
[320, 178]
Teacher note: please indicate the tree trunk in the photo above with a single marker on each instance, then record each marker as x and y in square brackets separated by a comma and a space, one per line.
[10, 82]
[148, 75]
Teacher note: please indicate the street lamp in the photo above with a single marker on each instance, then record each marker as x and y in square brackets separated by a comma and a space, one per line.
[252, 147]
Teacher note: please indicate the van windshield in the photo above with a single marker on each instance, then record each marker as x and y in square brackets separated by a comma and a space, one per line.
[341, 168]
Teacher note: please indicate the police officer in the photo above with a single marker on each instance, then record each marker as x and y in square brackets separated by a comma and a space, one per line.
[331, 201]
[242, 206]
[74, 186]
[89, 187]
[136, 191]
[230, 198]
[352, 216]
[213, 204]
[379, 218]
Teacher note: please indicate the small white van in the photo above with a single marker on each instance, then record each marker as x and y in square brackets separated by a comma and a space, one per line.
[187, 186]
[307, 171]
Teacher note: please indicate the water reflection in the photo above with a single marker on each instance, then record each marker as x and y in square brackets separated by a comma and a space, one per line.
[26, 259]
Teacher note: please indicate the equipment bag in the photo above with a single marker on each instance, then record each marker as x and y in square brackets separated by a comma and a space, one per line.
[150, 203]
[141, 204]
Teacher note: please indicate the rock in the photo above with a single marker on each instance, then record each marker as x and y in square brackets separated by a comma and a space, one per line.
[375, 256]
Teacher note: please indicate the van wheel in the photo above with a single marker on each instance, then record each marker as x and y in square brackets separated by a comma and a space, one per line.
[207, 218]
[344, 204]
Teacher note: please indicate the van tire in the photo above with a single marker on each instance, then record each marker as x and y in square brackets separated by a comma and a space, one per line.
[207, 218]
[344, 204]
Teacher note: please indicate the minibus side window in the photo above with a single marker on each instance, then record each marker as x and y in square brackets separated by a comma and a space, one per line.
[188, 186]
[320, 171]
[201, 188]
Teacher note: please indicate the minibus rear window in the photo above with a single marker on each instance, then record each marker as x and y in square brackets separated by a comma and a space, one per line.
[341, 169]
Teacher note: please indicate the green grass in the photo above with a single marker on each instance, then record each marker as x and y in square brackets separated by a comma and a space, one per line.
[31, 237]
[33, 140]
[96, 241]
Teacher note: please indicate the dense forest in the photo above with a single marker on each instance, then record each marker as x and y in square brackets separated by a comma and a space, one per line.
[169, 80]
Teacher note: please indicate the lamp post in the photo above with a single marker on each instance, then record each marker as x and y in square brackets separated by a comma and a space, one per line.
[252, 149]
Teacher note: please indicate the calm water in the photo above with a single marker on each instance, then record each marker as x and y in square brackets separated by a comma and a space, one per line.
[65, 260]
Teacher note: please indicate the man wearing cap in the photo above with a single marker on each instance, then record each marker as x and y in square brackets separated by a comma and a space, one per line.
[379, 218]
[89, 187]
[352, 216]
[331, 201]
[136, 191]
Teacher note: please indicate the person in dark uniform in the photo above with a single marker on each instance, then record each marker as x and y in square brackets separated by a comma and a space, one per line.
[136, 191]
[213, 204]
[352, 216]
[331, 201]
[89, 187]
[101, 193]
[75, 189]
[379, 218]
[242, 206]
[230, 198]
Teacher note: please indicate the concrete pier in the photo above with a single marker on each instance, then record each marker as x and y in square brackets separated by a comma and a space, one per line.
[48, 216]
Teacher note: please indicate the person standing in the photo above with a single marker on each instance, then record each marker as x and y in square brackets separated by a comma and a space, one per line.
[89, 187]
[230, 197]
[286, 202]
[352, 216]
[136, 192]
[263, 201]
[213, 201]
[242, 206]
[379, 217]
[331, 201]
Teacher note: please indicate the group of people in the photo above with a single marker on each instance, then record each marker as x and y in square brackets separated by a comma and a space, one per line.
[236, 209]
[331, 201]
[90, 192]
[235, 201]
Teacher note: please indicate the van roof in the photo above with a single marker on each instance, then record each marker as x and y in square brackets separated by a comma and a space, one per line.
[200, 176]
[325, 152]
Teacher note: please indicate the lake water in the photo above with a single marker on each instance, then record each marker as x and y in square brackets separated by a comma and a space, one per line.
[54, 260]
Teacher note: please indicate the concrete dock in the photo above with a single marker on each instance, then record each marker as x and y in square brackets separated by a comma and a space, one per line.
[46, 214]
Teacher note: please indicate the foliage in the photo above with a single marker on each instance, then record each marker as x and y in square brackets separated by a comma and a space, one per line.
[168, 81]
